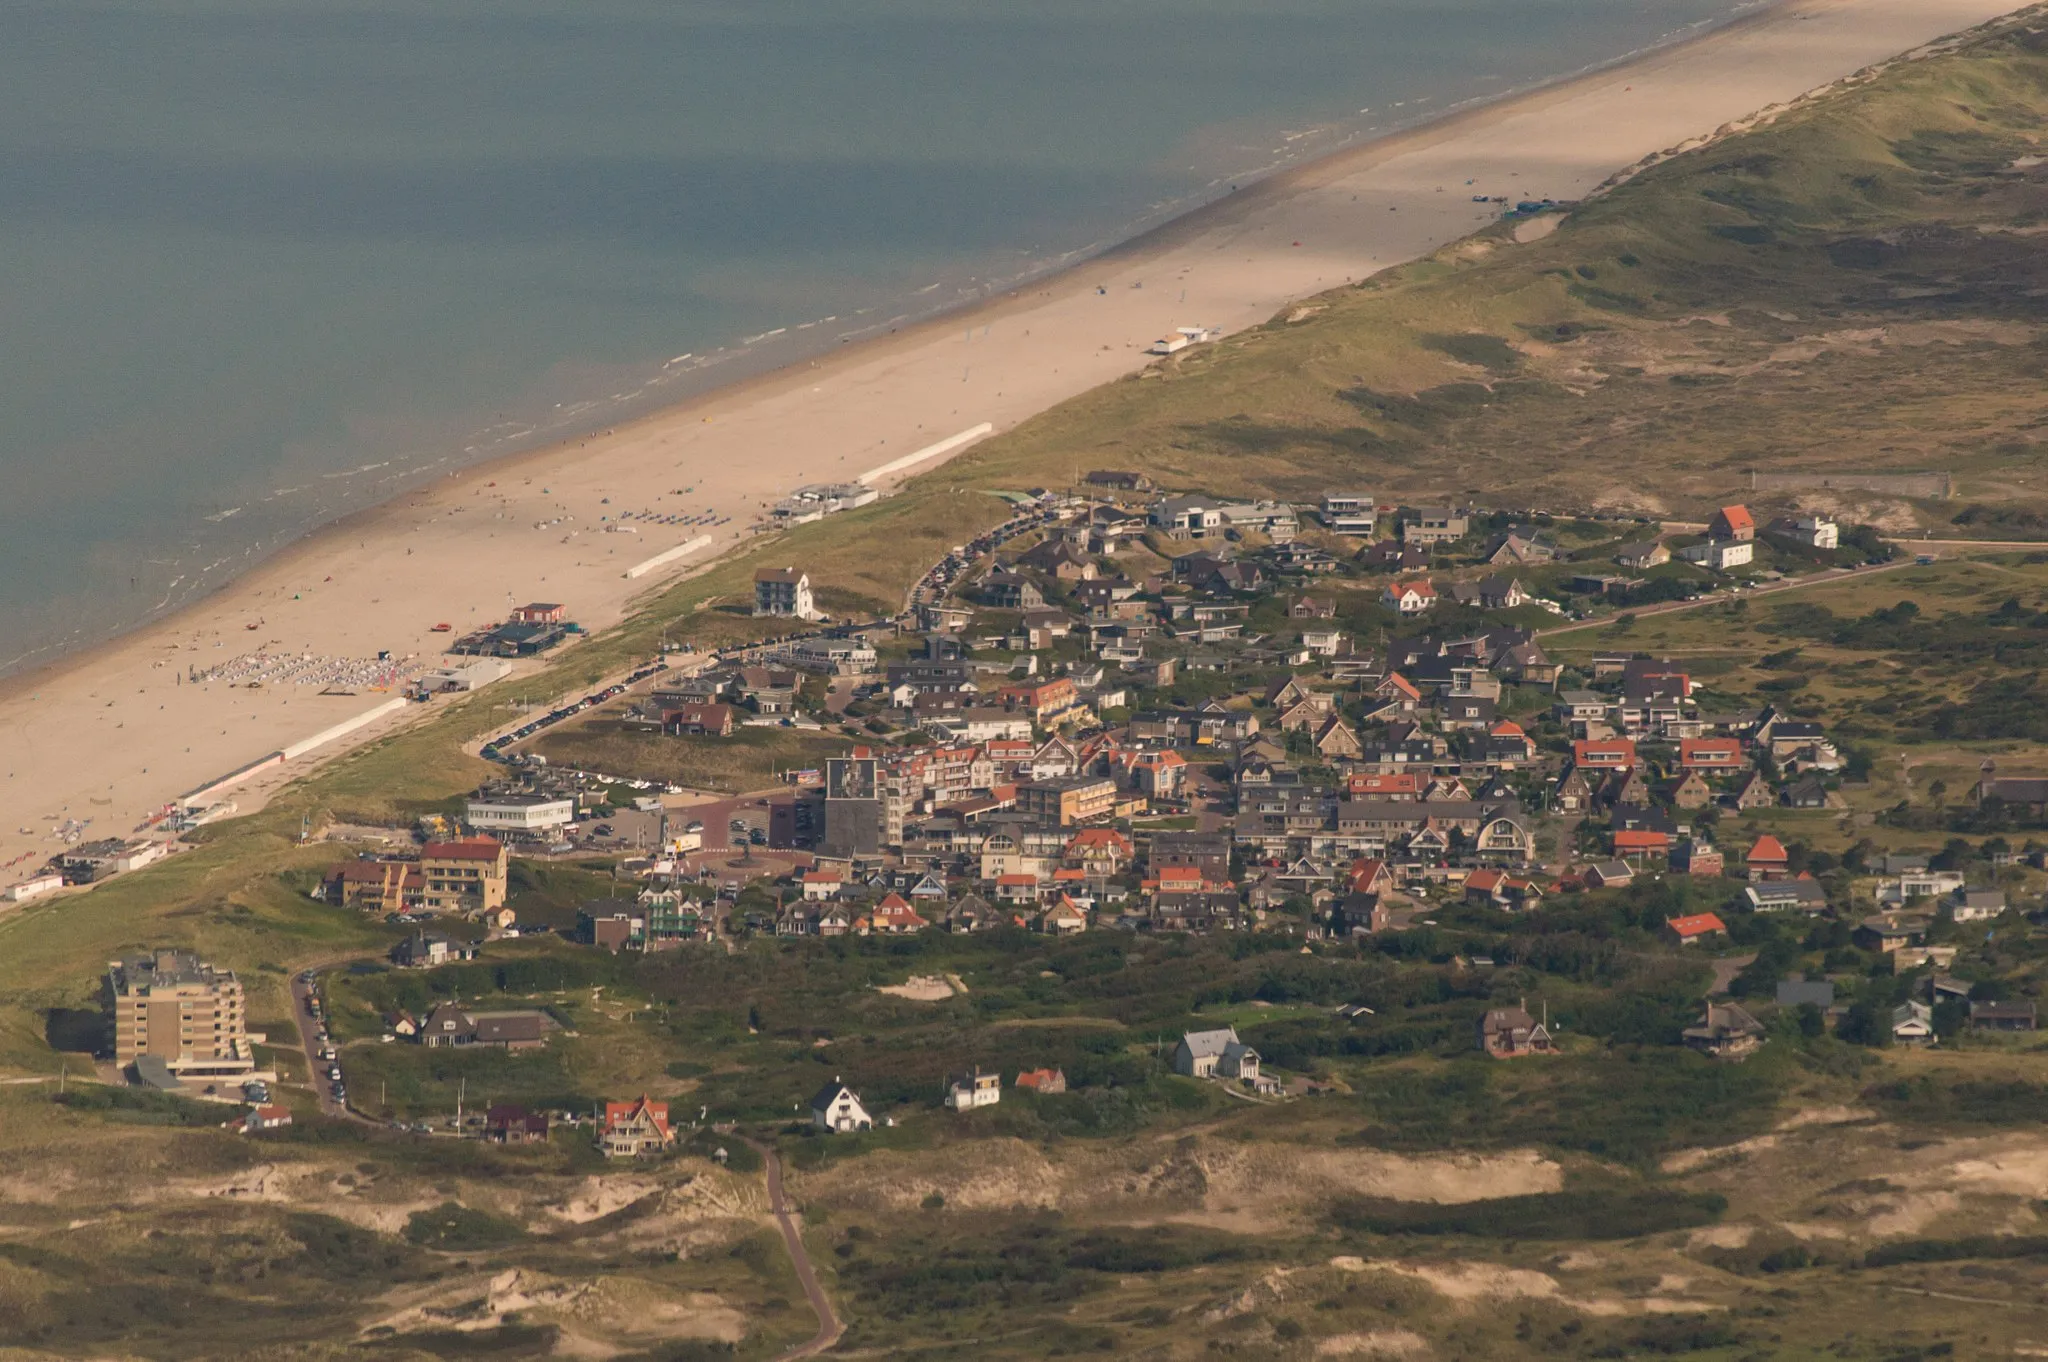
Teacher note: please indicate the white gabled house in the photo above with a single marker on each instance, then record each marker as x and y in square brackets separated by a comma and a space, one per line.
[837, 1109]
[1216, 1054]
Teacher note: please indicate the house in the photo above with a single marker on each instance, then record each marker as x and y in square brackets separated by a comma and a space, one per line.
[699, 721]
[1189, 517]
[510, 1124]
[784, 592]
[1720, 554]
[1349, 512]
[1647, 554]
[2007, 1016]
[1726, 1032]
[1435, 525]
[1693, 857]
[1640, 842]
[1502, 593]
[1692, 792]
[1732, 522]
[1510, 1032]
[1609, 754]
[1695, 928]
[1335, 741]
[1767, 859]
[1006, 590]
[1976, 905]
[1885, 933]
[1410, 597]
[425, 950]
[893, 916]
[1711, 755]
[1754, 793]
[1610, 875]
[1046, 1081]
[1064, 918]
[1806, 896]
[838, 1110]
[267, 1116]
[1522, 544]
[1215, 1054]
[631, 1129]
[972, 1090]
[1912, 1023]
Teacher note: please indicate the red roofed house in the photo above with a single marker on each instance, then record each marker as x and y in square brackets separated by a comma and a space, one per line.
[1487, 886]
[269, 1116]
[1768, 859]
[1371, 877]
[1641, 842]
[1691, 930]
[1732, 522]
[1043, 1080]
[1042, 700]
[1405, 788]
[1609, 754]
[1410, 597]
[1063, 918]
[1711, 754]
[1155, 773]
[894, 917]
[1507, 730]
[1104, 851]
[634, 1128]
[1017, 888]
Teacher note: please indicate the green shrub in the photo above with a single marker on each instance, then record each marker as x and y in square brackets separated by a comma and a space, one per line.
[454, 1226]
[1620, 1213]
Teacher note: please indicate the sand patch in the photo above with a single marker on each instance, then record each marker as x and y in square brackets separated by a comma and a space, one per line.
[599, 1196]
[1722, 1236]
[1826, 1116]
[1472, 1283]
[1688, 1160]
[1378, 1343]
[919, 988]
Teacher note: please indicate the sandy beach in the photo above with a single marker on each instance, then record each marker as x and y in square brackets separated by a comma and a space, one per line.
[111, 735]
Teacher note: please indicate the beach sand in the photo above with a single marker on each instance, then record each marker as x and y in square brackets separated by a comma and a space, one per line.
[110, 736]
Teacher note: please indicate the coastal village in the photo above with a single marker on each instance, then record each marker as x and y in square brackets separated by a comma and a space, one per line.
[1138, 711]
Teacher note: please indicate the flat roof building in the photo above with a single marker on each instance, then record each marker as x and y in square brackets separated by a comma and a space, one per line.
[176, 1009]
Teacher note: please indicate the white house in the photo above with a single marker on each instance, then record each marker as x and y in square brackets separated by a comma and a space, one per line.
[1410, 597]
[976, 1089]
[1188, 517]
[1919, 884]
[1818, 531]
[1720, 554]
[837, 1108]
[1216, 1054]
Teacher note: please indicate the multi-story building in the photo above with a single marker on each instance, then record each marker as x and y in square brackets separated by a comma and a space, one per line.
[175, 1009]
[463, 876]
[1065, 802]
[784, 591]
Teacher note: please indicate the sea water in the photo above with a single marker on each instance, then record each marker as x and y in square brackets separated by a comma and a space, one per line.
[263, 262]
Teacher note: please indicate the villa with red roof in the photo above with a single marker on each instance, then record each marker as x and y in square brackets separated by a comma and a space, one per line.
[894, 917]
[1604, 754]
[1410, 597]
[1711, 754]
[1768, 859]
[1732, 522]
[1693, 929]
[634, 1128]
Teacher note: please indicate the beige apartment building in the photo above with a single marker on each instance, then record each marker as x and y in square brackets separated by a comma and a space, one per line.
[174, 1007]
[463, 876]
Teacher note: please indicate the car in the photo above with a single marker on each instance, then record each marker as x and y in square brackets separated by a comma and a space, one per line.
[334, 1072]
[757, 837]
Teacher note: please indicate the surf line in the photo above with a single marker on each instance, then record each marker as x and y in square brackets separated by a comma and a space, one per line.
[945, 446]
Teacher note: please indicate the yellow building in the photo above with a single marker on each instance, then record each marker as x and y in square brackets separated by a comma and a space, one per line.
[463, 876]
[174, 1007]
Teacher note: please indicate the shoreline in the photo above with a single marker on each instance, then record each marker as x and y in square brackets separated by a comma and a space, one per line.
[1286, 236]
[746, 362]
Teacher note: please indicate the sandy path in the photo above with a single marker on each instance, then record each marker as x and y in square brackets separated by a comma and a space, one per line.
[111, 737]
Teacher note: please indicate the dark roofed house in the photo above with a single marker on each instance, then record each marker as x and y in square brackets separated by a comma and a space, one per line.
[1799, 992]
[1726, 1032]
[511, 1124]
[2009, 1016]
[1510, 1032]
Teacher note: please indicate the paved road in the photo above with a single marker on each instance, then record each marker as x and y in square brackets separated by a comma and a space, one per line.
[829, 1325]
[1722, 598]
[303, 987]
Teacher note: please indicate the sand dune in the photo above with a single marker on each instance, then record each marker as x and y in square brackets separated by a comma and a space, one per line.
[111, 736]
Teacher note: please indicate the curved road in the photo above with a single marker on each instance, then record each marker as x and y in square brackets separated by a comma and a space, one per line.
[830, 1326]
